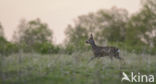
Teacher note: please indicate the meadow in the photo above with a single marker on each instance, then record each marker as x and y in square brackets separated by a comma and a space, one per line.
[33, 68]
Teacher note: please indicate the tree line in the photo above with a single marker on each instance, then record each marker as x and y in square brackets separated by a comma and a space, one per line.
[31, 36]
[115, 27]
[111, 27]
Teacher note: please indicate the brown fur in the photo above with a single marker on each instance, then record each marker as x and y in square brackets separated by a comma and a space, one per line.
[103, 51]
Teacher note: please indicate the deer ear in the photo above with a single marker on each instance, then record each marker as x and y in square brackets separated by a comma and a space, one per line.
[91, 35]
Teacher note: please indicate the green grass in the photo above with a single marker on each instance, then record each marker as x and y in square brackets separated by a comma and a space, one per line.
[35, 68]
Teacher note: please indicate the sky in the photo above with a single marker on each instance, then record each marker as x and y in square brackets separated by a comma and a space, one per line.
[56, 13]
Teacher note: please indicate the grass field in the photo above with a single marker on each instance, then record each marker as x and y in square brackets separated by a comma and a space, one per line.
[35, 68]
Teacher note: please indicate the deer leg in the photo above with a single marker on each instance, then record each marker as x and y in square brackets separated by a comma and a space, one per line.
[111, 57]
[118, 57]
[91, 59]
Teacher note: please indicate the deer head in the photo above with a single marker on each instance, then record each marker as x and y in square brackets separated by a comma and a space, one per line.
[90, 40]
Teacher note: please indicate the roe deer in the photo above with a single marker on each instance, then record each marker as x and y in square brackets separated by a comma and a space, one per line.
[103, 51]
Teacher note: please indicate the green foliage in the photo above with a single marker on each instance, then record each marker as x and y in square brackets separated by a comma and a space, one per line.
[106, 25]
[33, 32]
[69, 49]
[46, 48]
[6, 47]
[73, 69]
[1, 30]
[76, 39]
[113, 27]
[35, 36]
[113, 24]
[141, 28]
[132, 33]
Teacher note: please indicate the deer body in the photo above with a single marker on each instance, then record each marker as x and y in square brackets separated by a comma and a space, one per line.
[103, 51]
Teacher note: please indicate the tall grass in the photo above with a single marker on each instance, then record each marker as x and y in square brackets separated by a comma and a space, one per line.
[33, 68]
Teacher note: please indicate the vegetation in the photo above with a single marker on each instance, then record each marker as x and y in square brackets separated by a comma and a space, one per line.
[33, 57]
[33, 68]
[115, 27]
[35, 36]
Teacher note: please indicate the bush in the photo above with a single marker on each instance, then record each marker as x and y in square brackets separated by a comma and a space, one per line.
[6, 47]
[45, 48]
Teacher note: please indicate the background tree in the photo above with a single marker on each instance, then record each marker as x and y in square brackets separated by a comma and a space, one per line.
[104, 24]
[141, 27]
[114, 26]
[6, 47]
[2, 40]
[76, 38]
[1, 31]
[34, 32]
[35, 35]
[77, 34]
